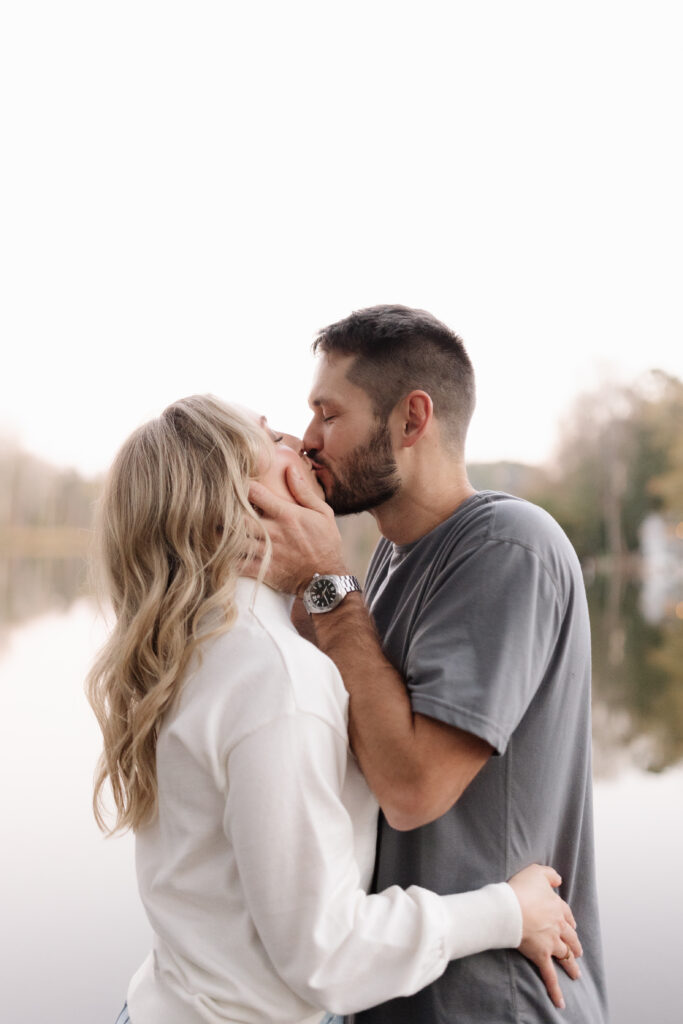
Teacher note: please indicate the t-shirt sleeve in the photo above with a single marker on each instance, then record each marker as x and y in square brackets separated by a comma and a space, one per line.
[482, 640]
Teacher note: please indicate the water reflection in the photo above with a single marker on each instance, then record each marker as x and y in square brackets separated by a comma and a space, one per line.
[637, 654]
[71, 909]
[637, 678]
[73, 898]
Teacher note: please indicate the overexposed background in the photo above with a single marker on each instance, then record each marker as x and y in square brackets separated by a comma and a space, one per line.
[190, 190]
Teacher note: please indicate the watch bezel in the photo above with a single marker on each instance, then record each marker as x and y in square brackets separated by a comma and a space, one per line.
[340, 592]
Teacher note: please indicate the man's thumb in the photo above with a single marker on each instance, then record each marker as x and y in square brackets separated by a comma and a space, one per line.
[302, 491]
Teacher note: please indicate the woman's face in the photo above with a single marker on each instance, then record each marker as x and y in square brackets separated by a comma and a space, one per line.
[286, 451]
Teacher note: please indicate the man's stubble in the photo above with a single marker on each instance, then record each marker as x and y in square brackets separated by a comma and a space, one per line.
[366, 478]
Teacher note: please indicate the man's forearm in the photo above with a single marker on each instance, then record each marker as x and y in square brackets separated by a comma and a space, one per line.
[380, 716]
[301, 621]
[416, 767]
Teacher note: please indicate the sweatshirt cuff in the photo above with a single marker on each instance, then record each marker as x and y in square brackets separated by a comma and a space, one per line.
[489, 918]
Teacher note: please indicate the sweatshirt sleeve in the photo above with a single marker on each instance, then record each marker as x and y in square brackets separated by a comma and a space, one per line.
[334, 945]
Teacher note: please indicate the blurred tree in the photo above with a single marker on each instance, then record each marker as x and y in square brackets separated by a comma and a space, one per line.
[360, 536]
[34, 493]
[512, 477]
[619, 458]
[666, 425]
[636, 675]
[667, 706]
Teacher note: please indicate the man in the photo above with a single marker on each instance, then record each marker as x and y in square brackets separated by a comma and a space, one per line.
[468, 668]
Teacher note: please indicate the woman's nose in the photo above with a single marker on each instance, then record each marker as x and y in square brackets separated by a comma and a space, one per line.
[295, 443]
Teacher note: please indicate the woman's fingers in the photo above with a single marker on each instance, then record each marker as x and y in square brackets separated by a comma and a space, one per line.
[547, 967]
[571, 940]
[549, 928]
[568, 916]
[551, 874]
[570, 966]
[567, 956]
[550, 979]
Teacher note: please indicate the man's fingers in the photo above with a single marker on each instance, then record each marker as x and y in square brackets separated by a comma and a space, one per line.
[302, 491]
[549, 975]
[268, 503]
[250, 565]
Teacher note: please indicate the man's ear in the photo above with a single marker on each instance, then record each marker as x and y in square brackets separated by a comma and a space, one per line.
[415, 412]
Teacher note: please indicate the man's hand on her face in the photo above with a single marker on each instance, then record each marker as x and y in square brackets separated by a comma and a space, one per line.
[304, 535]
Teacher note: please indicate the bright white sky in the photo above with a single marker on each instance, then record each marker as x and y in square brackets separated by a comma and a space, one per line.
[191, 189]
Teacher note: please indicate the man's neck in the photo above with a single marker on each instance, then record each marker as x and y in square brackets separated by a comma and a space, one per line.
[422, 504]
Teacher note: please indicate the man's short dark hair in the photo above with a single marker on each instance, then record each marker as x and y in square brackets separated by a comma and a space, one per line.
[398, 350]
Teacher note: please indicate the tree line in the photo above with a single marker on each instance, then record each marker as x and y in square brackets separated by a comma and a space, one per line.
[43, 509]
[620, 457]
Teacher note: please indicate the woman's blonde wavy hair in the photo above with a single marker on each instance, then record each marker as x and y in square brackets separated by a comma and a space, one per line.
[173, 525]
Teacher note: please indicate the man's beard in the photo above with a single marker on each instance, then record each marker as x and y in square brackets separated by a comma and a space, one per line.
[366, 478]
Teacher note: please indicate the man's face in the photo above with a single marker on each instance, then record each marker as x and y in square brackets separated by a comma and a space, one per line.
[350, 448]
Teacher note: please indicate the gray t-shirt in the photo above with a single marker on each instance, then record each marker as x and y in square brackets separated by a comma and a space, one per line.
[486, 620]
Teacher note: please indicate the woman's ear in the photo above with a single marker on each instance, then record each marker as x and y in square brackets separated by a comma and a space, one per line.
[415, 412]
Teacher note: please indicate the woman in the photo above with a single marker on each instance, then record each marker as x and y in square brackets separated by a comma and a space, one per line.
[226, 750]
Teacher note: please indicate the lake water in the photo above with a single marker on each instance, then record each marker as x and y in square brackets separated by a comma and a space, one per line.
[73, 930]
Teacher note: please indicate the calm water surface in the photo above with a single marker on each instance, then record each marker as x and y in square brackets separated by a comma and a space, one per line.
[72, 925]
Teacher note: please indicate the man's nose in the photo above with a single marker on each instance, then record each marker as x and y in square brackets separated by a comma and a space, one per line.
[312, 442]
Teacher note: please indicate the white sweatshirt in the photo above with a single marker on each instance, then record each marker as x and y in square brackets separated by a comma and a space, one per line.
[254, 873]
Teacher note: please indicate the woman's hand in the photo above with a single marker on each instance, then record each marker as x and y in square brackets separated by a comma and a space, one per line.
[549, 928]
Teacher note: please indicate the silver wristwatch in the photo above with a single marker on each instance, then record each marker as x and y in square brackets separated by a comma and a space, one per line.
[324, 593]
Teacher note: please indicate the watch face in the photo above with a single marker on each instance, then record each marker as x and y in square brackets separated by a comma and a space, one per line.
[323, 593]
